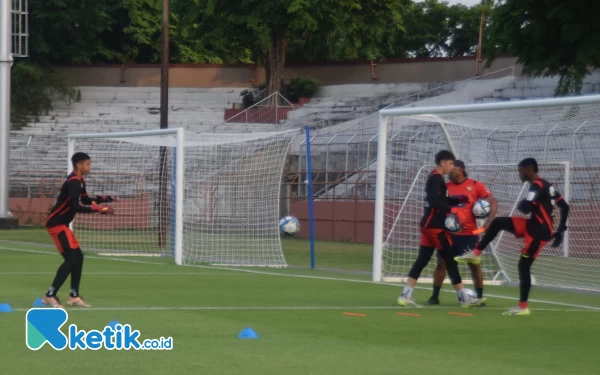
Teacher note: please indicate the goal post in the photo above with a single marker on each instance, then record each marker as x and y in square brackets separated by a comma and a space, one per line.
[561, 133]
[219, 204]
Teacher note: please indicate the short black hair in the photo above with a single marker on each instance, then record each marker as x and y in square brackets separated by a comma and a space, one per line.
[443, 155]
[529, 163]
[79, 157]
[461, 164]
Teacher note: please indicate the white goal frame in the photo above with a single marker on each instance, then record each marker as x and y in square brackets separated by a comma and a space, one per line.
[384, 118]
[179, 172]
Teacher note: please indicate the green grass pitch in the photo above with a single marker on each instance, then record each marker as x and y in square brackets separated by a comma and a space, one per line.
[298, 315]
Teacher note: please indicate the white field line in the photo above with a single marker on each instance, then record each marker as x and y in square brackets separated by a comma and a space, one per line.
[576, 306]
[87, 256]
[295, 308]
[129, 273]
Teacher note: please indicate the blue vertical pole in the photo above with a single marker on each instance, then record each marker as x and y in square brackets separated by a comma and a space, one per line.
[311, 218]
[173, 202]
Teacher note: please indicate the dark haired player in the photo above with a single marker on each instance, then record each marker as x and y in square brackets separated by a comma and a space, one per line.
[536, 231]
[72, 192]
[434, 235]
[461, 185]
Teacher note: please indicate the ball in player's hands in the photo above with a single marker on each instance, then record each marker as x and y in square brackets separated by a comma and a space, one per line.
[109, 210]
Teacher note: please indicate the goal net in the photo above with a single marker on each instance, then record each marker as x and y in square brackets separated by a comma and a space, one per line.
[200, 198]
[562, 134]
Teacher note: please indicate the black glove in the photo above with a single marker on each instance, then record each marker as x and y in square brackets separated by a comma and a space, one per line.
[104, 199]
[463, 199]
[558, 237]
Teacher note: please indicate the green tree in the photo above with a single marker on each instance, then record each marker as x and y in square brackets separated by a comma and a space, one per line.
[33, 87]
[79, 31]
[200, 37]
[436, 29]
[550, 38]
[268, 27]
[368, 31]
[463, 28]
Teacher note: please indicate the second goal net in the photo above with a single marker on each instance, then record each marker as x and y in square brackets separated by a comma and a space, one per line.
[562, 134]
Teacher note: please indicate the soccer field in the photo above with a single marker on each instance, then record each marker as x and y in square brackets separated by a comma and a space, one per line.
[298, 314]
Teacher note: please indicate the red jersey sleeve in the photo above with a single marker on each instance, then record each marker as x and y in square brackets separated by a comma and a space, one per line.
[481, 190]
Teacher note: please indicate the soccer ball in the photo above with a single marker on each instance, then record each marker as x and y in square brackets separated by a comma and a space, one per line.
[452, 223]
[289, 225]
[481, 208]
[469, 292]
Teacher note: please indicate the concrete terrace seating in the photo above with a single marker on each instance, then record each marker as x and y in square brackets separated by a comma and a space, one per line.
[125, 108]
[38, 152]
[339, 104]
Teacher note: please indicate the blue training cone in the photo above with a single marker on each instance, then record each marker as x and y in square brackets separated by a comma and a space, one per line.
[38, 303]
[5, 307]
[247, 333]
[113, 324]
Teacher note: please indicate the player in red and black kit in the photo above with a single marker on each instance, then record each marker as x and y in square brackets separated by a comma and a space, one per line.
[72, 192]
[461, 185]
[434, 235]
[536, 231]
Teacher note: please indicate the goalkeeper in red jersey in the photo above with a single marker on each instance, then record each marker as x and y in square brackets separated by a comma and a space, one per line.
[536, 230]
[72, 194]
[459, 186]
[435, 236]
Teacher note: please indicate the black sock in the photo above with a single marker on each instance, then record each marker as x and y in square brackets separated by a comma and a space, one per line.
[76, 272]
[436, 291]
[59, 279]
[525, 278]
[479, 292]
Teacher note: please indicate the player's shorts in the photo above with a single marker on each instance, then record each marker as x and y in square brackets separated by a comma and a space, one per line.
[437, 238]
[463, 244]
[63, 238]
[531, 245]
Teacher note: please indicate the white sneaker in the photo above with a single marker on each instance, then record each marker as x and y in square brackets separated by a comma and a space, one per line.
[468, 257]
[407, 302]
[516, 311]
[472, 302]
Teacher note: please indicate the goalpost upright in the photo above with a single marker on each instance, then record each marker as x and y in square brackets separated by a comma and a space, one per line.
[486, 135]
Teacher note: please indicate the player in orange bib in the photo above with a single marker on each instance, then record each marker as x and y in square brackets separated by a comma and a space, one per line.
[459, 187]
[437, 205]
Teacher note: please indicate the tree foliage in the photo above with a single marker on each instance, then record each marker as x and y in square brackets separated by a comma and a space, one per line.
[232, 31]
[549, 37]
[33, 87]
[350, 28]
[431, 28]
[436, 29]
[82, 31]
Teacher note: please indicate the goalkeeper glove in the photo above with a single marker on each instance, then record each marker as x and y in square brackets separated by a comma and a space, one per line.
[558, 236]
[460, 200]
[105, 210]
[104, 199]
